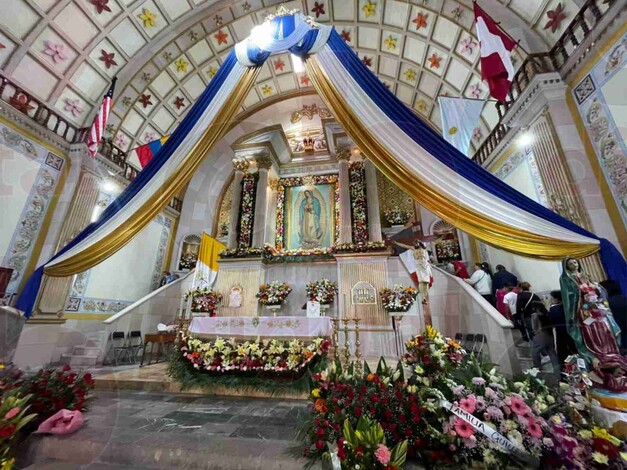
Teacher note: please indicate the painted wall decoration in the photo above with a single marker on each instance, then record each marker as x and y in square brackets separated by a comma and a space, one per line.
[527, 159]
[359, 205]
[600, 101]
[30, 175]
[318, 210]
[297, 139]
[151, 245]
[392, 197]
[309, 215]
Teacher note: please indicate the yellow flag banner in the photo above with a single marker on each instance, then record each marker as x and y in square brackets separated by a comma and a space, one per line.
[207, 265]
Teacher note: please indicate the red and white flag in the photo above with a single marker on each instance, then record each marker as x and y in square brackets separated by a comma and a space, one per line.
[496, 59]
[100, 121]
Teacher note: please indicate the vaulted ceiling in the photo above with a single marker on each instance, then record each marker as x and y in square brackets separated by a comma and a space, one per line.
[165, 52]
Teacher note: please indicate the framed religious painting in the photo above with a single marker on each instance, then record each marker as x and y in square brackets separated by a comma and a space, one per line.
[307, 213]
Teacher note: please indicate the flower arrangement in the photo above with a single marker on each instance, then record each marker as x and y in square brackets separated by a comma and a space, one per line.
[322, 291]
[357, 190]
[432, 355]
[188, 260]
[204, 300]
[13, 417]
[364, 447]
[365, 247]
[52, 390]
[271, 255]
[396, 216]
[398, 298]
[269, 355]
[446, 249]
[273, 293]
[242, 252]
[247, 210]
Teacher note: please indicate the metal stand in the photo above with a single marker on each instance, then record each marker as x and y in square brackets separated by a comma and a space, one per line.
[336, 340]
[359, 364]
[398, 335]
[347, 344]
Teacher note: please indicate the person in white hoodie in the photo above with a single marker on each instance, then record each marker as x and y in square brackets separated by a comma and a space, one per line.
[481, 280]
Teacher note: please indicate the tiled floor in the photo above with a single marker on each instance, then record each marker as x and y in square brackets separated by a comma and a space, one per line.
[157, 430]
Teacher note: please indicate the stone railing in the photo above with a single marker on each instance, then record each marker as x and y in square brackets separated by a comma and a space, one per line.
[24, 102]
[566, 49]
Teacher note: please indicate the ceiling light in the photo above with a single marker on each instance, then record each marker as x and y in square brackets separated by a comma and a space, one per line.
[109, 186]
[525, 139]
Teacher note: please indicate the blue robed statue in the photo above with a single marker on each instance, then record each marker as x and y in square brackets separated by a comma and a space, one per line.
[309, 221]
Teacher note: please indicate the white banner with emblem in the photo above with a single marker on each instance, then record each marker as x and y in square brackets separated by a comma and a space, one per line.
[460, 117]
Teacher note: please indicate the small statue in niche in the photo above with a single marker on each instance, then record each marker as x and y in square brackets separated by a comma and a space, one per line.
[235, 297]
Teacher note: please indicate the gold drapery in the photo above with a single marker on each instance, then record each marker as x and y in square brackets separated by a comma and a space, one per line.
[491, 231]
[151, 208]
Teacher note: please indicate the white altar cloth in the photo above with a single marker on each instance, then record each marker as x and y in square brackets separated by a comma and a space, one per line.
[270, 327]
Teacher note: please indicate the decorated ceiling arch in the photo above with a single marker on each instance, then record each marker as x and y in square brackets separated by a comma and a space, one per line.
[400, 145]
[165, 52]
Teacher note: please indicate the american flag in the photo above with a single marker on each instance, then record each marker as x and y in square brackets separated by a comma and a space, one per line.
[100, 121]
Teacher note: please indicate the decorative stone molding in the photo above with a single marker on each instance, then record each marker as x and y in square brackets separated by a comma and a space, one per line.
[343, 153]
[543, 89]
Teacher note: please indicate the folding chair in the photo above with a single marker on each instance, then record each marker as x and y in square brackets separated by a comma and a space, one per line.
[480, 341]
[469, 342]
[119, 346]
[459, 337]
[136, 343]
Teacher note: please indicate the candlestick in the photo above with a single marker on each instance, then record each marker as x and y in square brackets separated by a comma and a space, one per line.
[336, 339]
[359, 364]
[347, 350]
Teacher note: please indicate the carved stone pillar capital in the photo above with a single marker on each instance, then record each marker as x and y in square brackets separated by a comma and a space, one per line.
[263, 162]
[241, 164]
[343, 154]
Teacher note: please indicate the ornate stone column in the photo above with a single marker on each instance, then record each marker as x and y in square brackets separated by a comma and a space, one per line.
[55, 289]
[240, 165]
[372, 197]
[346, 232]
[562, 193]
[261, 201]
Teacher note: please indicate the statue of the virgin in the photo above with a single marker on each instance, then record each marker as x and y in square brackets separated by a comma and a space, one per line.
[309, 221]
[592, 326]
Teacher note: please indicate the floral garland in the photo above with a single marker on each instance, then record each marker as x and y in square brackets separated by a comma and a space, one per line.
[276, 356]
[323, 291]
[398, 299]
[204, 300]
[273, 293]
[247, 210]
[271, 255]
[396, 216]
[241, 253]
[357, 178]
[366, 247]
[188, 260]
[299, 181]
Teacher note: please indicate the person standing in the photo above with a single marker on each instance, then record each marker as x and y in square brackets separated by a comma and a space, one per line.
[542, 342]
[525, 306]
[482, 282]
[618, 306]
[449, 267]
[460, 268]
[503, 278]
[564, 343]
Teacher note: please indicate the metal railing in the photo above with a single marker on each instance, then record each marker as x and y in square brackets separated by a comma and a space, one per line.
[583, 23]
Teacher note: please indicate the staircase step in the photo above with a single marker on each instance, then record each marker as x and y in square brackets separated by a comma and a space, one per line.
[78, 360]
[86, 351]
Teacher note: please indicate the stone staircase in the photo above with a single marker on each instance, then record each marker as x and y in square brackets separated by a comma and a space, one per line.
[88, 354]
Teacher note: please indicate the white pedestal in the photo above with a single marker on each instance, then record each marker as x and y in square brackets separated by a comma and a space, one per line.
[273, 308]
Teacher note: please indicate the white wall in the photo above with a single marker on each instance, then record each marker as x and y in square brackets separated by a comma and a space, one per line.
[543, 275]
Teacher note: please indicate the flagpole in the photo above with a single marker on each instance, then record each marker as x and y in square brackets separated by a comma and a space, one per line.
[469, 99]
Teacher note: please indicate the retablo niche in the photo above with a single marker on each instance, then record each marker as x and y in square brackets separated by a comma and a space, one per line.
[235, 297]
[363, 293]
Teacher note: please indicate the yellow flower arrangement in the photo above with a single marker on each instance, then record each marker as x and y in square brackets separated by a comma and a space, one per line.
[149, 18]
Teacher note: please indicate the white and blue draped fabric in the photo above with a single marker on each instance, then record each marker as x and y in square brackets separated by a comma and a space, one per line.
[460, 117]
[403, 147]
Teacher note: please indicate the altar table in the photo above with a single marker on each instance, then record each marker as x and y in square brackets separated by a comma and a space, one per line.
[270, 327]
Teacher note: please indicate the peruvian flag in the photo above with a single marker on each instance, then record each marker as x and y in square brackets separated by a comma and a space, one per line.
[496, 59]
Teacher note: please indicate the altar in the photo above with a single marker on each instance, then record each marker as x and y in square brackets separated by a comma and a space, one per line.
[263, 327]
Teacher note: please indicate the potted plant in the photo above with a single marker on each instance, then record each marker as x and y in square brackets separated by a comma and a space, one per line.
[273, 294]
[204, 300]
[322, 291]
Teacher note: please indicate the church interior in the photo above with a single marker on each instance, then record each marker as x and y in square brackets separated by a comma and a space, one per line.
[348, 234]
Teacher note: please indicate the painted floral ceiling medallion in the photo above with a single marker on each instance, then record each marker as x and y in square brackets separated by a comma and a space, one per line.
[420, 21]
[145, 100]
[221, 37]
[318, 9]
[101, 5]
[108, 58]
[149, 18]
[556, 17]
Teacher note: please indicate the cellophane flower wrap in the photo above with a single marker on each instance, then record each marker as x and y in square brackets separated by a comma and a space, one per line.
[204, 299]
[323, 291]
[273, 293]
[398, 298]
